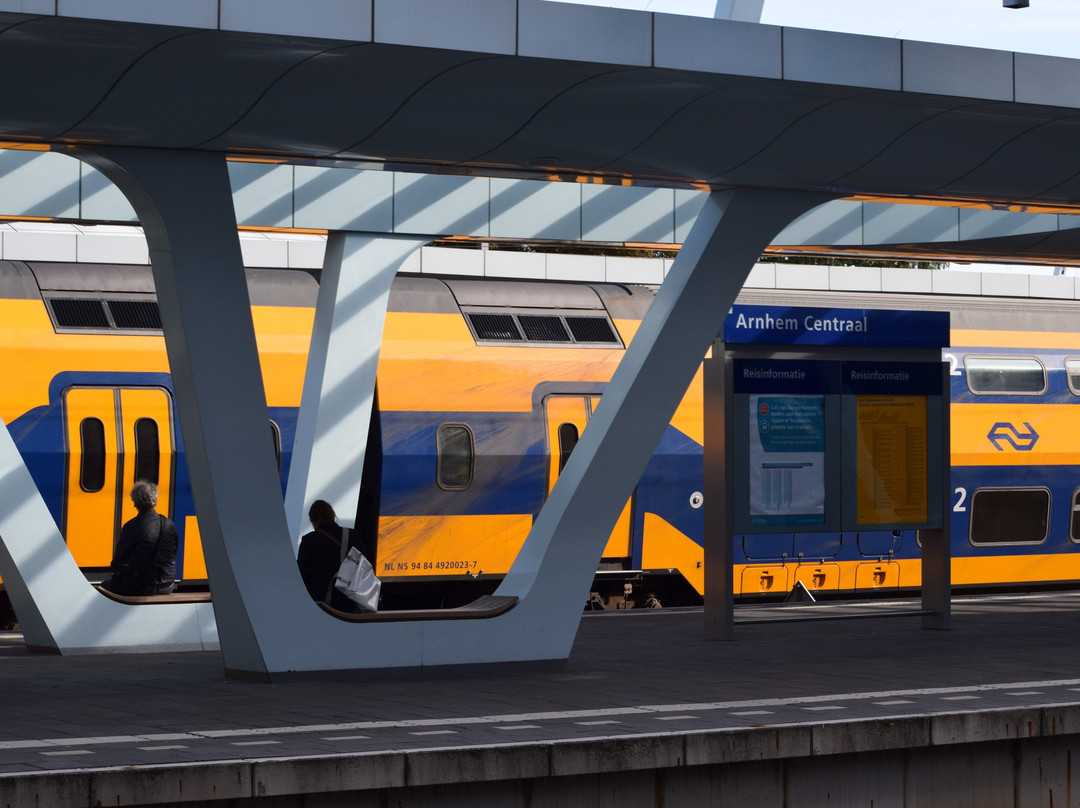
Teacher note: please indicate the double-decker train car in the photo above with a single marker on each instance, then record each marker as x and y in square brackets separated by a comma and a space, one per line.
[484, 387]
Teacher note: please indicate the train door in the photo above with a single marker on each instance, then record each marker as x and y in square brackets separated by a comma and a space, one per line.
[115, 436]
[567, 416]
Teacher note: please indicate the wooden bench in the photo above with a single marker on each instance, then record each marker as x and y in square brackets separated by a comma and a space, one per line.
[480, 609]
[142, 600]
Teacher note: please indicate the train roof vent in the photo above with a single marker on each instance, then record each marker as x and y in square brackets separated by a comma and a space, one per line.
[554, 328]
[591, 329]
[543, 328]
[136, 314]
[494, 327]
[75, 312]
[90, 313]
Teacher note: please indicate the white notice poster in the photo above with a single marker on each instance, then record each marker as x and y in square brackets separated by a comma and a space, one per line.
[787, 460]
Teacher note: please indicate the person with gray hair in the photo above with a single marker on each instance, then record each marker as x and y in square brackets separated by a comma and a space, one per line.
[144, 562]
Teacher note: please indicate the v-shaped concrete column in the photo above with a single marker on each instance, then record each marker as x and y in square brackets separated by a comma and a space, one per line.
[555, 568]
[266, 622]
[57, 608]
[339, 385]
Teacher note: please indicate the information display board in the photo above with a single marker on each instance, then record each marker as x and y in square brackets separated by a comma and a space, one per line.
[891, 461]
[842, 433]
[787, 460]
[894, 409]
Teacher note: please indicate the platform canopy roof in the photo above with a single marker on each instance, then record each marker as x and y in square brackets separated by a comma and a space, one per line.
[537, 88]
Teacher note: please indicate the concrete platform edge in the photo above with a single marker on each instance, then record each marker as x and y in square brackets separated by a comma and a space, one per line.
[270, 777]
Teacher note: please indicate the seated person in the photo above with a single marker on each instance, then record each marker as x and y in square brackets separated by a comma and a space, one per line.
[144, 562]
[321, 553]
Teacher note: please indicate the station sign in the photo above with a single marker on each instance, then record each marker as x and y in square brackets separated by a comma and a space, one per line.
[795, 325]
[840, 431]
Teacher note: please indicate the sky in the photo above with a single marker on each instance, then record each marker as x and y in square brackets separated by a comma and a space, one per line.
[1050, 27]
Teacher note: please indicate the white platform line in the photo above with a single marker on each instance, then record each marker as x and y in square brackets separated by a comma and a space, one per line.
[741, 708]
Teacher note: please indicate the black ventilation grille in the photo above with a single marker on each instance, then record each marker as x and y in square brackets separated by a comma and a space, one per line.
[591, 329]
[74, 312]
[495, 327]
[551, 328]
[543, 328]
[121, 314]
[138, 314]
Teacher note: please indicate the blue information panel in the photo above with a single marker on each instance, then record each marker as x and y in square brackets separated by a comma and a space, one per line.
[793, 325]
[841, 433]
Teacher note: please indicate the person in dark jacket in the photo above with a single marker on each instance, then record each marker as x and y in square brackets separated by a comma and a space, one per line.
[144, 562]
[321, 553]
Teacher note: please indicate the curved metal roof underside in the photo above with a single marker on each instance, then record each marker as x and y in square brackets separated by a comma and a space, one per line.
[1060, 247]
[708, 102]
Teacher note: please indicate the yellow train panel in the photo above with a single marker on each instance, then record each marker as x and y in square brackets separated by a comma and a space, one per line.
[489, 378]
[194, 560]
[283, 336]
[418, 546]
[819, 578]
[667, 547]
[968, 570]
[1016, 339]
[762, 579]
[1058, 440]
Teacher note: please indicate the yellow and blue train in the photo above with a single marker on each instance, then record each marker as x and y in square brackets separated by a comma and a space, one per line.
[484, 387]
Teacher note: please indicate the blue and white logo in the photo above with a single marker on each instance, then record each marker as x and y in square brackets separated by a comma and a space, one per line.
[1021, 441]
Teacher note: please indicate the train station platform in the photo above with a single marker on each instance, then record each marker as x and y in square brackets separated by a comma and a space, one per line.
[645, 712]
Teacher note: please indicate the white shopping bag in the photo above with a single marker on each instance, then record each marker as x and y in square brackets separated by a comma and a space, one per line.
[357, 581]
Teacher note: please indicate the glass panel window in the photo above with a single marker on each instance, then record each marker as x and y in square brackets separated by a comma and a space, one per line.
[568, 438]
[1018, 375]
[92, 472]
[1010, 515]
[457, 456]
[1072, 371]
[1074, 517]
[275, 436]
[147, 450]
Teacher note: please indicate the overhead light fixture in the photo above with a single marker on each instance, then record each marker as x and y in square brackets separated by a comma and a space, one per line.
[1014, 3]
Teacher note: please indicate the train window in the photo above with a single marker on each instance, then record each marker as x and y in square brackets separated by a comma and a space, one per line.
[275, 436]
[78, 312]
[1018, 375]
[568, 438]
[1009, 515]
[541, 328]
[1074, 517]
[136, 314]
[1072, 372]
[591, 329]
[498, 327]
[147, 450]
[92, 471]
[457, 456]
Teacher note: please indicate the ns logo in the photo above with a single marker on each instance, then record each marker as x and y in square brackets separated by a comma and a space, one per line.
[1004, 432]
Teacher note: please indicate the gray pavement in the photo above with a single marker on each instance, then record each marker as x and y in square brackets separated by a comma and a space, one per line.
[630, 674]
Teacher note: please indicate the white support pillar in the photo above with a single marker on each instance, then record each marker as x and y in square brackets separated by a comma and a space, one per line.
[57, 608]
[184, 202]
[339, 385]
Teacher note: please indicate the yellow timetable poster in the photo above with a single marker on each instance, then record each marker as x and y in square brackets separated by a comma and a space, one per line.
[891, 464]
